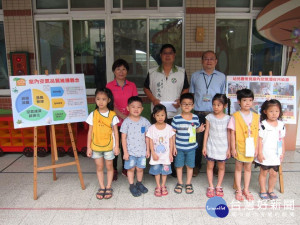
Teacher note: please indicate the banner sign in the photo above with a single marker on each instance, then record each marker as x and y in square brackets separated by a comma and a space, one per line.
[282, 88]
[39, 100]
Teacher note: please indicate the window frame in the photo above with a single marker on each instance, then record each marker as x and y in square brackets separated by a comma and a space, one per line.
[4, 92]
[158, 9]
[49, 11]
[108, 15]
[237, 13]
[110, 75]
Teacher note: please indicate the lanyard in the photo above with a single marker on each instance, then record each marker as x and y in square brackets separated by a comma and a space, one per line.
[280, 139]
[207, 86]
[248, 125]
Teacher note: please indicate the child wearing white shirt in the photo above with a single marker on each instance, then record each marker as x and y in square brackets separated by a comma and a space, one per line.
[270, 147]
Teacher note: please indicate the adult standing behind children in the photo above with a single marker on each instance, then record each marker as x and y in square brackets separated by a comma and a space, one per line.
[133, 131]
[205, 84]
[122, 90]
[166, 83]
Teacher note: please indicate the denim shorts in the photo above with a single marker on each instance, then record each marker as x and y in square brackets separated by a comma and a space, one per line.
[133, 161]
[109, 155]
[185, 158]
[217, 160]
[160, 169]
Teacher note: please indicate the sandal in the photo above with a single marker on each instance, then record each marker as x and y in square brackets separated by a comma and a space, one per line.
[157, 192]
[239, 196]
[248, 195]
[178, 188]
[272, 195]
[264, 195]
[164, 191]
[210, 192]
[219, 192]
[134, 191]
[141, 187]
[189, 189]
[100, 194]
[108, 193]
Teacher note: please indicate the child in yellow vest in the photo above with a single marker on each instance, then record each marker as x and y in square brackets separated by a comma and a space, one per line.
[100, 143]
[244, 125]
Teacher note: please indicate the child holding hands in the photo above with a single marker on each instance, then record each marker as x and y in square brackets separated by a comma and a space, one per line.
[133, 131]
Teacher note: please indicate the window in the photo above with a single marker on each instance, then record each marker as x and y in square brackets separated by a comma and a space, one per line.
[89, 51]
[232, 46]
[92, 4]
[0, 4]
[260, 3]
[74, 40]
[146, 4]
[163, 31]
[3, 62]
[233, 3]
[54, 46]
[130, 43]
[171, 3]
[141, 4]
[74, 4]
[116, 3]
[265, 55]
[237, 40]
[53, 4]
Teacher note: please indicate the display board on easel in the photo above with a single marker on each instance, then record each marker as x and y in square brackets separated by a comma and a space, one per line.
[39, 100]
[282, 88]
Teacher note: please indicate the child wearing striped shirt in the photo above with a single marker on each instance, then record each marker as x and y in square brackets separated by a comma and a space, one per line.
[185, 125]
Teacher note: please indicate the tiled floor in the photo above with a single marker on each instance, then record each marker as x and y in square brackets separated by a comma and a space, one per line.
[64, 202]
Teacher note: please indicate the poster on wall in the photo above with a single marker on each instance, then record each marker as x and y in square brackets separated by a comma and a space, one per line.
[282, 88]
[40, 100]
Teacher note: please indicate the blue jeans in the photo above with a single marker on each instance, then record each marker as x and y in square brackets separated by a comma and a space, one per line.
[160, 169]
[133, 161]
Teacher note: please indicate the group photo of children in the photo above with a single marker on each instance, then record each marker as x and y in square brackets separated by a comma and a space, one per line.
[176, 138]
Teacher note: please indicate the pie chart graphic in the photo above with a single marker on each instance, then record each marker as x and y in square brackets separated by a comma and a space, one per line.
[32, 104]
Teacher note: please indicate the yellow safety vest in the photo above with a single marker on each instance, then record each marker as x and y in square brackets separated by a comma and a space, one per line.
[102, 139]
[241, 133]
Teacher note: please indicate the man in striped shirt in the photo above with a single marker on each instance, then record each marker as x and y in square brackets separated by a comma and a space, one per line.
[186, 125]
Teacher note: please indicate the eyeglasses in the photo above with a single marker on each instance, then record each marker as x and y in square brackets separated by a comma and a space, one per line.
[187, 104]
[209, 59]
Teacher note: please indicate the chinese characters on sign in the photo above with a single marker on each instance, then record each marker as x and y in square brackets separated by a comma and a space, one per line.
[44, 100]
[274, 209]
[265, 87]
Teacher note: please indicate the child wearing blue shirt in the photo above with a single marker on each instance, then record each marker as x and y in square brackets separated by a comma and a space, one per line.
[186, 125]
[133, 130]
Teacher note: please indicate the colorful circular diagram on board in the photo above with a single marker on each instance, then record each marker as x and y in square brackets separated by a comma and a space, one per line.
[32, 104]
